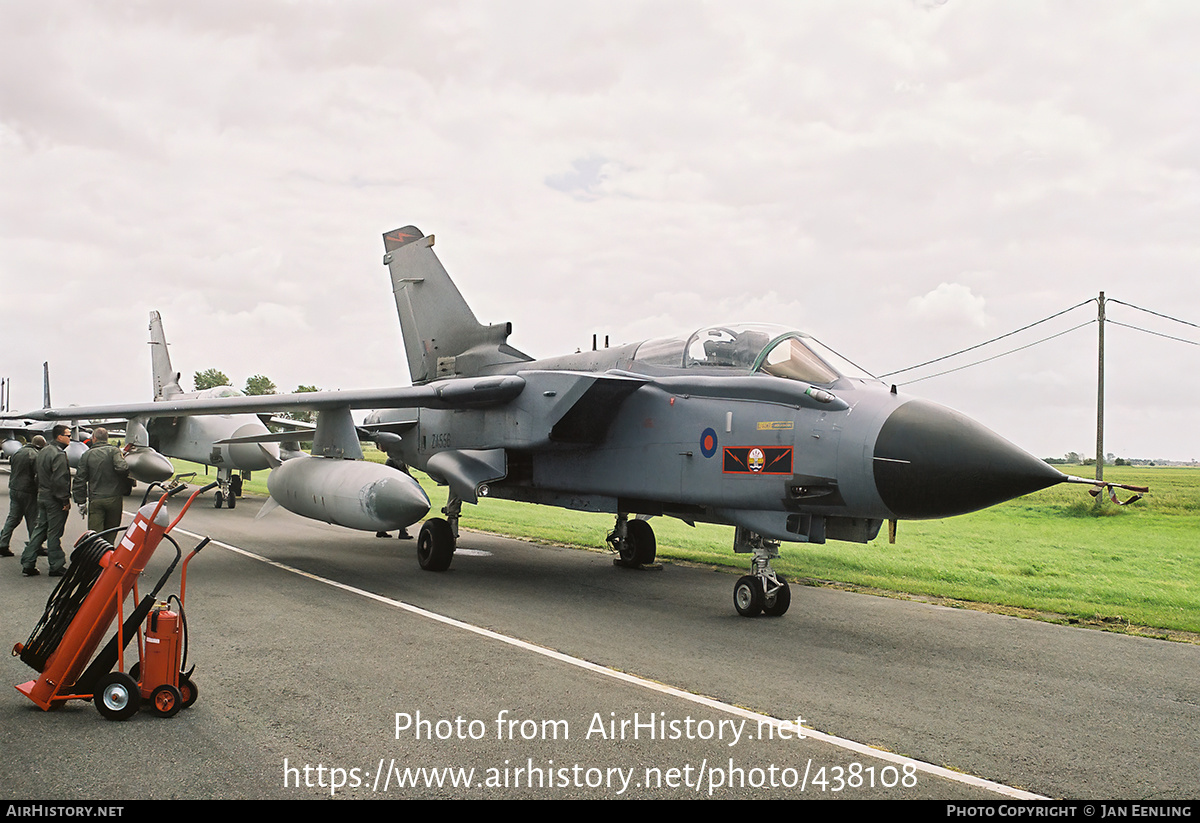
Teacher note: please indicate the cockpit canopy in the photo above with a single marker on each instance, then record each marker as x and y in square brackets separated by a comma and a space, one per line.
[754, 347]
[219, 392]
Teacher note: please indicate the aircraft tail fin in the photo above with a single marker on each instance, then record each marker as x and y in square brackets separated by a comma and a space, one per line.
[166, 379]
[442, 337]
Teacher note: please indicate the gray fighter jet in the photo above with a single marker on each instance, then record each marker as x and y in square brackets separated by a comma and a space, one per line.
[759, 427]
[153, 434]
[12, 437]
[197, 439]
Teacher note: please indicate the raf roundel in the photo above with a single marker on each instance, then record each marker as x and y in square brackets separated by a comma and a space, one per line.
[708, 442]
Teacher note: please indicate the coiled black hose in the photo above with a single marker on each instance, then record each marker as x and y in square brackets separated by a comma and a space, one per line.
[65, 600]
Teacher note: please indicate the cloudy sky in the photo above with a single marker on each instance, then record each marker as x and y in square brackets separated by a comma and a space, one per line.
[903, 179]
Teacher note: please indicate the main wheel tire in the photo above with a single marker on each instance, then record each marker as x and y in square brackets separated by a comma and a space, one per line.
[748, 596]
[230, 501]
[640, 545]
[435, 545]
[166, 700]
[218, 499]
[776, 605]
[188, 691]
[235, 485]
[117, 696]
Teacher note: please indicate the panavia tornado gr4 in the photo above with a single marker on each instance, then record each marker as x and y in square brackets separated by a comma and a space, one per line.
[759, 427]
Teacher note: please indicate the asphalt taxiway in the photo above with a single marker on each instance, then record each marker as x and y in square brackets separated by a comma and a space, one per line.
[327, 656]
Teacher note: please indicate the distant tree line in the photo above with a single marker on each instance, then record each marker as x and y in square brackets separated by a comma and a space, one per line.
[258, 384]
[1075, 459]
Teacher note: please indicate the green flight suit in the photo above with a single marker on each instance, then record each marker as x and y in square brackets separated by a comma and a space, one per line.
[99, 482]
[53, 502]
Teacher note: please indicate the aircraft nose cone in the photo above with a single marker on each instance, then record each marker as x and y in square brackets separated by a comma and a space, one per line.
[932, 462]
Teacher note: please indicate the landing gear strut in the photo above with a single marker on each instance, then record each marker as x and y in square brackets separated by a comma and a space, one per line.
[762, 591]
[633, 541]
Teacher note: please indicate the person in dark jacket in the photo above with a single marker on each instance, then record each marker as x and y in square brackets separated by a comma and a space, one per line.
[22, 492]
[53, 502]
[99, 481]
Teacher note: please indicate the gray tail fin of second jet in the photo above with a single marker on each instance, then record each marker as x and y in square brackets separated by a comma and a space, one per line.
[166, 379]
[441, 335]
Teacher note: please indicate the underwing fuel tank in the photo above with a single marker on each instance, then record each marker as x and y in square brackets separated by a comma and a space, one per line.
[148, 466]
[353, 493]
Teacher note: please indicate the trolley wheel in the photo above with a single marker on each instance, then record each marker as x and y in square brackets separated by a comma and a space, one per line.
[135, 671]
[188, 690]
[117, 696]
[166, 700]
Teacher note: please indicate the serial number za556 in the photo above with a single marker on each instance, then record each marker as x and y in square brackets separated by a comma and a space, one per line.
[439, 441]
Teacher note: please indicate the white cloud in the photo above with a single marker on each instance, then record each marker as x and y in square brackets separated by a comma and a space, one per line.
[950, 303]
[676, 164]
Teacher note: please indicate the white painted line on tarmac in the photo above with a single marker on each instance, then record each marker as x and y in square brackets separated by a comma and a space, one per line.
[700, 700]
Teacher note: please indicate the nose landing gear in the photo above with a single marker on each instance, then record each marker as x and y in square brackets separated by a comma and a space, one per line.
[762, 591]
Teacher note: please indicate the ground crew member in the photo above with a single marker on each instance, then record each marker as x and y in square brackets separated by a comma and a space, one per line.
[22, 492]
[99, 482]
[53, 503]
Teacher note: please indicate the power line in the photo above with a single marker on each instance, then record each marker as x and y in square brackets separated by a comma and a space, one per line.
[1156, 314]
[1155, 333]
[996, 356]
[987, 342]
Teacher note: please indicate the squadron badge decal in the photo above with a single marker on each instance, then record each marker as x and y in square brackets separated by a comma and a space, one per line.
[758, 460]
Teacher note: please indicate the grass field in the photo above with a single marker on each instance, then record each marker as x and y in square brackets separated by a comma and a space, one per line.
[1052, 553]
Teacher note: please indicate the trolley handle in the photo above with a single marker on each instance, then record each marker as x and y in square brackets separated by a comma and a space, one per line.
[183, 574]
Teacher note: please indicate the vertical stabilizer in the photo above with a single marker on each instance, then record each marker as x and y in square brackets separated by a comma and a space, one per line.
[166, 379]
[441, 335]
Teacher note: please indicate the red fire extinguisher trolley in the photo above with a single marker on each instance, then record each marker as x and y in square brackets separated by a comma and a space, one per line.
[89, 599]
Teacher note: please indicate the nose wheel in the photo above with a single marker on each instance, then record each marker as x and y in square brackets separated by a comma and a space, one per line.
[229, 489]
[751, 599]
[762, 591]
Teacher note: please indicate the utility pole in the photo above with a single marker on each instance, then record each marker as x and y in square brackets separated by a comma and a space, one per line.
[1100, 395]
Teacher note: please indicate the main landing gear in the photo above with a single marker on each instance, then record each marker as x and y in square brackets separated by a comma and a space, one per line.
[230, 488]
[633, 541]
[438, 538]
[762, 591]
